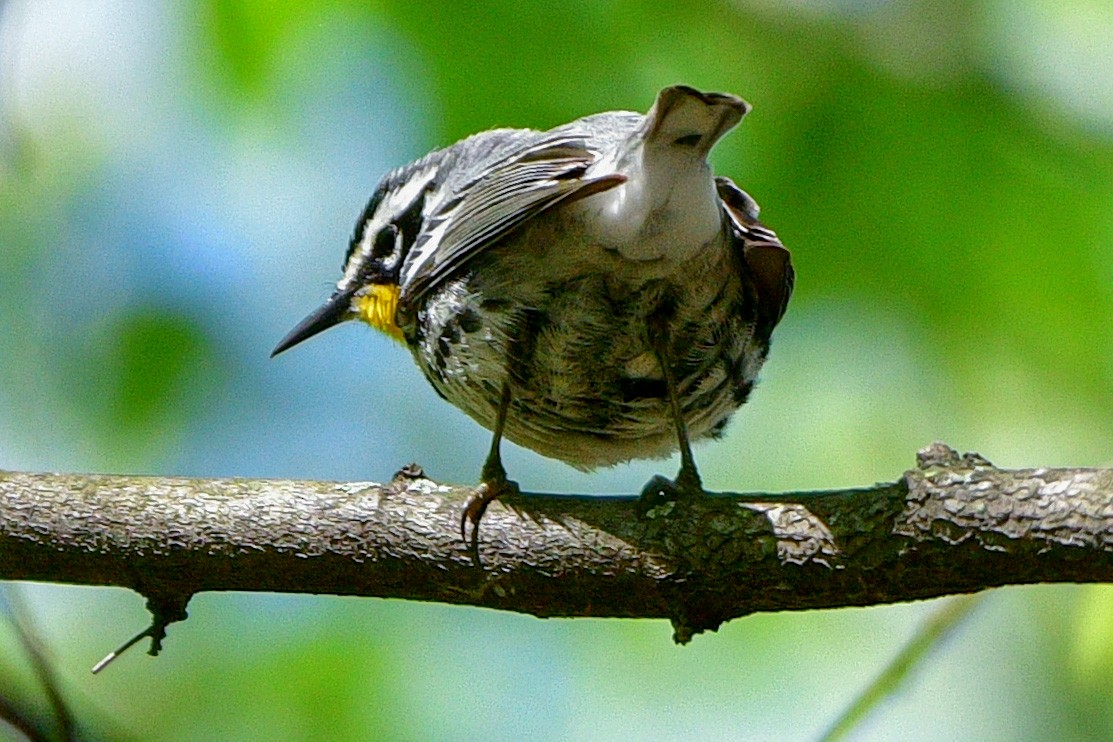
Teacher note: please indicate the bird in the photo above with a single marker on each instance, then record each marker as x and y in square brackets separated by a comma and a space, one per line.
[592, 292]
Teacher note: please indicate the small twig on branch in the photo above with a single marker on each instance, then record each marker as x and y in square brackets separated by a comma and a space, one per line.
[951, 525]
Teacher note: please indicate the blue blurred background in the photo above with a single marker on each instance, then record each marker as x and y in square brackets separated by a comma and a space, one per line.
[178, 181]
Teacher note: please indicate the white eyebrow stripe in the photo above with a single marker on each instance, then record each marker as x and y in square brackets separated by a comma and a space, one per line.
[394, 204]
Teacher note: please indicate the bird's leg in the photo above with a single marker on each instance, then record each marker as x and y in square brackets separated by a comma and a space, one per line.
[494, 482]
[493, 472]
[687, 480]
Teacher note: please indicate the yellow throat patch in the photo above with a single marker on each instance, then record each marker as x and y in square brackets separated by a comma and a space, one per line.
[378, 307]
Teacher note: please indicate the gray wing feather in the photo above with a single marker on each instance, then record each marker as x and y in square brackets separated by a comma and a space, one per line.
[500, 198]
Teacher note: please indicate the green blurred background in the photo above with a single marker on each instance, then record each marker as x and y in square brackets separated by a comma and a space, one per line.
[177, 185]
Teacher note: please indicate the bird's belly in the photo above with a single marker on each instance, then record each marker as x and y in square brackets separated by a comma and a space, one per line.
[586, 384]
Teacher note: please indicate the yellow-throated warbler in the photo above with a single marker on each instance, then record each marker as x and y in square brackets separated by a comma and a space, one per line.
[591, 292]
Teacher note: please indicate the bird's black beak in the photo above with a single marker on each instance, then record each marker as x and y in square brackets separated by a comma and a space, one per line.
[332, 312]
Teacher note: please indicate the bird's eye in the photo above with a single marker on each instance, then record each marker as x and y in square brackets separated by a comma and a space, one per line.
[384, 242]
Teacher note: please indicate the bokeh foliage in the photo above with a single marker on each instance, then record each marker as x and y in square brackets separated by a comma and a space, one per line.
[176, 188]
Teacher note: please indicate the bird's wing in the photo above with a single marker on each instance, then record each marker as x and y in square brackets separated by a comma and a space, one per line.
[500, 198]
[768, 261]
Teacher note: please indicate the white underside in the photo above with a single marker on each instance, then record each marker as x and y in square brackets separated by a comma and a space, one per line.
[667, 208]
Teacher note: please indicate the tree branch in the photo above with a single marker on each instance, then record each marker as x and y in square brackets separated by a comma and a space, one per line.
[952, 525]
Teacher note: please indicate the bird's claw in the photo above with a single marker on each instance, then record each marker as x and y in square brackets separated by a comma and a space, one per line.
[660, 489]
[485, 494]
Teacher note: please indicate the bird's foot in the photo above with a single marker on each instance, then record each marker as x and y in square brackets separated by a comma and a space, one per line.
[688, 482]
[660, 490]
[489, 490]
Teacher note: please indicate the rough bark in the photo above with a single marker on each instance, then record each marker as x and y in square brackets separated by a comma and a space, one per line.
[951, 525]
